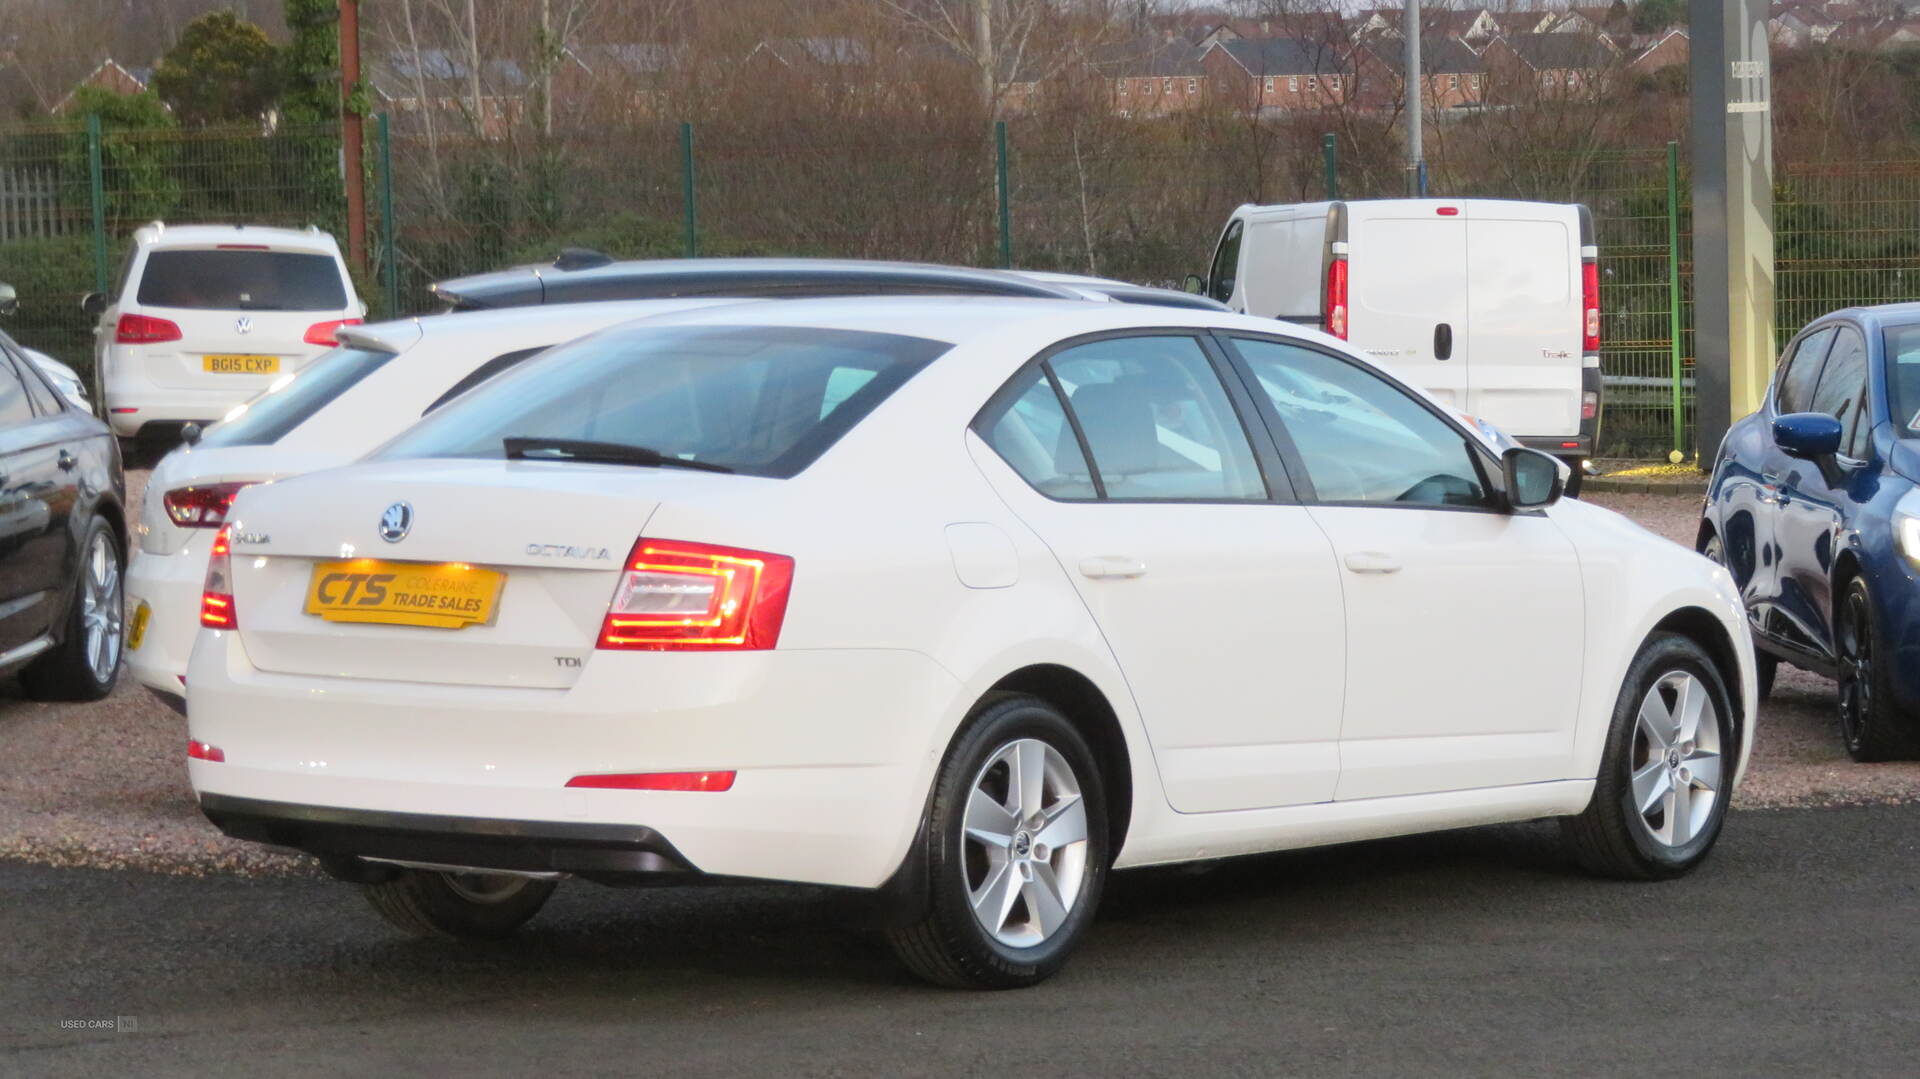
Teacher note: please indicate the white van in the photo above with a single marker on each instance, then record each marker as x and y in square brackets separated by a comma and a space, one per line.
[206, 316]
[1492, 306]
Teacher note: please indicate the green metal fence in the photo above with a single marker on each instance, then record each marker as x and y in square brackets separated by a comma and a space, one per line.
[1138, 201]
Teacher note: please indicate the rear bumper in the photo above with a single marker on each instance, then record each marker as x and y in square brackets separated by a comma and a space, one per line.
[833, 750]
[170, 586]
[595, 850]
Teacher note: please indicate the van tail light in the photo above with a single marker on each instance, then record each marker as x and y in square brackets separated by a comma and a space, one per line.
[1589, 404]
[1590, 306]
[1336, 306]
[144, 330]
[216, 599]
[323, 333]
[678, 596]
[201, 507]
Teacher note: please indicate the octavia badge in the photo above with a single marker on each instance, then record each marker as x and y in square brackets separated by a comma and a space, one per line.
[396, 522]
[243, 324]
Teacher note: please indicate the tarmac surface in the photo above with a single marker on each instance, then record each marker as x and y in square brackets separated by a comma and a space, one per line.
[1480, 952]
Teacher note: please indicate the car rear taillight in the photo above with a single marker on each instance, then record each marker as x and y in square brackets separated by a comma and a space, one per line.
[200, 751]
[323, 333]
[676, 596]
[201, 507]
[656, 781]
[144, 330]
[1590, 306]
[1336, 306]
[216, 599]
[1589, 404]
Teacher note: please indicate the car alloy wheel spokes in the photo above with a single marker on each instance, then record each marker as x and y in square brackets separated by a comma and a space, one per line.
[1024, 837]
[100, 607]
[1856, 670]
[1676, 775]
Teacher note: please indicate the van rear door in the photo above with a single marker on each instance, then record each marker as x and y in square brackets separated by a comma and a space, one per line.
[1407, 291]
[1523, 317]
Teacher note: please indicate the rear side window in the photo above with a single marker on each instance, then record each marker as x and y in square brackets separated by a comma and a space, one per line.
[1802, 371]
[759, 400]
[291, 402]
[482, 373]
[242, 281]
[1029, 430]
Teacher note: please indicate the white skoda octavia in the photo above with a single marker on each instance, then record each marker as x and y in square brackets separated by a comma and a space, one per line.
[963, 601]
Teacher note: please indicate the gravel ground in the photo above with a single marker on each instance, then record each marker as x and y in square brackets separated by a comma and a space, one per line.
[104, 785]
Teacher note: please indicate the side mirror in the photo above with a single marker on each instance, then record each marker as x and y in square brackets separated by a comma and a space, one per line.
[1810, 436]
[9, 300]
[1533, 478]
[93, 303]
[1195, 284]
[190, 434]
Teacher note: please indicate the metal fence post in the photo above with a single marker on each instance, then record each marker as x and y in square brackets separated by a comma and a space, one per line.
[1000, 175]
[686, 190]
[98, 193]
[1673, 298]
[389, 241]
[1330, 155]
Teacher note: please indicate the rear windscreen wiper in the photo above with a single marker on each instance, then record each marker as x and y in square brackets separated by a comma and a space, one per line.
[603, 453]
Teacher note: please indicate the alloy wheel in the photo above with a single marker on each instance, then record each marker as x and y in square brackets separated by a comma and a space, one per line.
[1677, 779]
[102, 612]
[1856, 668]
[1025, 838]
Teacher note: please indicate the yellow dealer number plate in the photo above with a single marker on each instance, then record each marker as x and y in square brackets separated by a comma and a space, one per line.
[445, 596]
[241, 365]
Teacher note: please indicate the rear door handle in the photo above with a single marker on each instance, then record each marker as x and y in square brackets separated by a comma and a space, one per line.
[1443, 341]
[1372, 562]
[1112, 565]
[67, 461]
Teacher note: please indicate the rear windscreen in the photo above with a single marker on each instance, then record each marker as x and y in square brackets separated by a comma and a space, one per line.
[288, 403]
[242, 281]
[761, 400]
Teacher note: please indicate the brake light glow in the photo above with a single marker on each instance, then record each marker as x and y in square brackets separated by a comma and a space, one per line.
[1447, 211]
[323, 333]
[201, 507]
[676, 596]
[1336, 306]
[216, 599]
[656, 781]
[144, 330]
[200, 751]
[1590, 304]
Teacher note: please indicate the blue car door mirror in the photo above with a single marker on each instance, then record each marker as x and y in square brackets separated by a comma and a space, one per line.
[1809, 436]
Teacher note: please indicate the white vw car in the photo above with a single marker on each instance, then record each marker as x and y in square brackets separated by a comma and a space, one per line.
[381, 379]
[965, 601]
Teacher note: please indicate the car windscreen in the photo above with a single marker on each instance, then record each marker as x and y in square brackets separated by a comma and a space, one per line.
[1903, 378]
[289, 402]
[228, 280]
[760, 400]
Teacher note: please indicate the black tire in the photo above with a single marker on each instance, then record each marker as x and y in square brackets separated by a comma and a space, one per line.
[1576, 477]
[67, 671]
[948, 945]
[464, 906]
[1613, 837]
[1765, 669]
[1870, 726]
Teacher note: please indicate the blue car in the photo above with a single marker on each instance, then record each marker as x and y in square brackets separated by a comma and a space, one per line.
[1813, 508]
